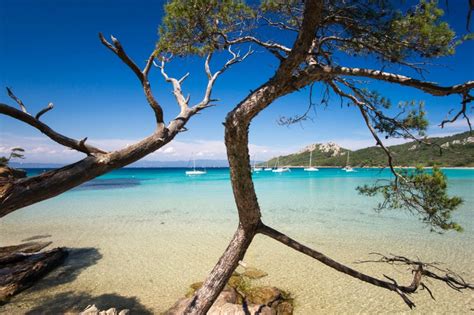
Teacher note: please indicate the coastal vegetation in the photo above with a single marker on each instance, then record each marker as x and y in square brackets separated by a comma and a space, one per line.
[450, 151]
[307, 41]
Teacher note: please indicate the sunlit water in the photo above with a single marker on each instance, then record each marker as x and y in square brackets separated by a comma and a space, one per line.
[141, 236]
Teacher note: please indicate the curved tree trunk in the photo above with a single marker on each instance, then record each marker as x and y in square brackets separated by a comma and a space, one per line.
[236, 140]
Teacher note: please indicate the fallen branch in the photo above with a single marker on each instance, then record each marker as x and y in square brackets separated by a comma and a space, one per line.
[21, 266]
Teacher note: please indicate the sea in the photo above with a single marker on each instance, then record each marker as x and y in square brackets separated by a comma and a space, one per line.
[138, 237]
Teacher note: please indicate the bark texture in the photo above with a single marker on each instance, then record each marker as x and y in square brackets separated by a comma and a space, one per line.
[21, 192]
[22, 265]
[236, 139]
[298, 69]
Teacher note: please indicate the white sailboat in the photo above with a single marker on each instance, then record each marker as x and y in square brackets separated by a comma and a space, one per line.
[255, 168]
[311, 168]
[279, 169]
[194, 171]
[267, 168]
[348, 168]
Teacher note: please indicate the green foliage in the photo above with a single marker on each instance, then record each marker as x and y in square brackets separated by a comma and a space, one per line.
[460, 152]
[199, 26]
[421, 192]
[285, 11]
[423, 30]
[376, 27]
[412, 118]
[16, 153]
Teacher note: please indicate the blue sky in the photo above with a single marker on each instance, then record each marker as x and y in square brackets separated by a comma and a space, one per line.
[50, 52]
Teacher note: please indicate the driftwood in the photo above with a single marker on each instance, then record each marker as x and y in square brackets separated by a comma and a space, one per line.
[22, 265]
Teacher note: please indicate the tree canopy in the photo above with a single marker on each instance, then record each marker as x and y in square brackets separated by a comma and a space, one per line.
[388, 31]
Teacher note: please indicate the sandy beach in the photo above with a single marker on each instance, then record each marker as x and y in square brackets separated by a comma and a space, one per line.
[131, 248]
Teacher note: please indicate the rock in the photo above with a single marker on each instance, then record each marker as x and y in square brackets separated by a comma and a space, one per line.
[329, 147]
[235, 281]
[93, 310]
[258, 309]
[90, 310]
[263, 295]
[227, 309]
[178, 307]
[254, 273]
[193, 288]
[263, 300]
[284, 308]
[227, 297]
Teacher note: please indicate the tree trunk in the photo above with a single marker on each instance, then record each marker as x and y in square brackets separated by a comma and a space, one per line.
[22, 265]
[222, 271]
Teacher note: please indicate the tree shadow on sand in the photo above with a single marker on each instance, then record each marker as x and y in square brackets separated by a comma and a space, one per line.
[77, 301]
[77, 261]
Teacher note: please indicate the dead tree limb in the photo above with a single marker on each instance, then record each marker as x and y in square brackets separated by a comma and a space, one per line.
[26, 191]
[22, 265]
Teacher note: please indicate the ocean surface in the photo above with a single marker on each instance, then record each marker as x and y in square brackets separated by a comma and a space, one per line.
[139, 237]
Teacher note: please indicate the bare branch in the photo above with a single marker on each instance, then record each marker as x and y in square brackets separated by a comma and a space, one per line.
[177, 91]
[212, 77]
[53, 135]
[280, 25]
[431, 270]
[44, 110]
[462, 112]
[268, 45]
[117, 49]
[403, 291]
[428, 87]
[17, 100]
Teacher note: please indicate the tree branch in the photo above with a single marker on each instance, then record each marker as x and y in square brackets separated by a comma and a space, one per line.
[360, 104]
[117, 49]
[212, 77]
[403, 291]
[45, 129]
[177, 91]
[26, 191]
[44, 111]
[17, 100]
[236, 140]
[428, 87]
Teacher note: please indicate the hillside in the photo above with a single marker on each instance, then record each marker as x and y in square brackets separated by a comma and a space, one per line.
[458, 150]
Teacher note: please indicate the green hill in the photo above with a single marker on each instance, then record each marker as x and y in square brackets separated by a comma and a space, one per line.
[456, 150]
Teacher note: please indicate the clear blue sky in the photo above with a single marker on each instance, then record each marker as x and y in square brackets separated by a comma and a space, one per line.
[50, 52]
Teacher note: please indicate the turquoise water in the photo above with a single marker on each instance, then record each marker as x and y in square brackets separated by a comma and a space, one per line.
[157, 228]
[326, 198]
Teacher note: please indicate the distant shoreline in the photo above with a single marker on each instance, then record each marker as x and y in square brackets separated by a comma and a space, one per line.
[382, 167]
[289, 166]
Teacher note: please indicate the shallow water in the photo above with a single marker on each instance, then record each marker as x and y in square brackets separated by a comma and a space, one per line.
[141, 236]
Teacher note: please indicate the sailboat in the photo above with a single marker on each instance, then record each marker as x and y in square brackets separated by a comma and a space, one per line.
[279, 169]
[348, 168]
[194, 171]
[267, 168]
[311, 168]
[255, 168]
